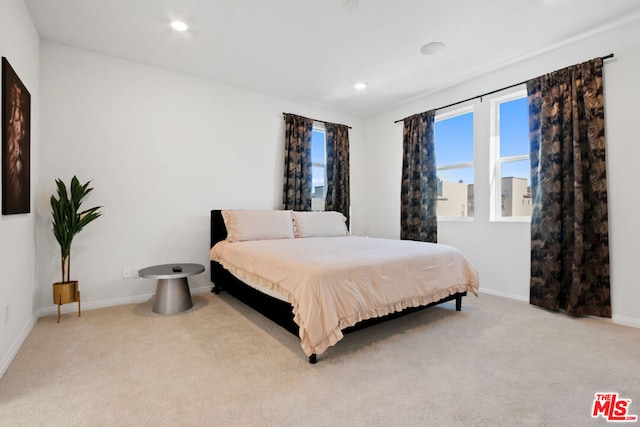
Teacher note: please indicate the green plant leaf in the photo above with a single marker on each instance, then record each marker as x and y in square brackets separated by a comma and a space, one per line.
[67, 219]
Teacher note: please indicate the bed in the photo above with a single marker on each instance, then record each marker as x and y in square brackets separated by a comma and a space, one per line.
[305, 272]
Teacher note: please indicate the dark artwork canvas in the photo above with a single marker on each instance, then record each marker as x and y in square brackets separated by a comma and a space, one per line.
[16, 138]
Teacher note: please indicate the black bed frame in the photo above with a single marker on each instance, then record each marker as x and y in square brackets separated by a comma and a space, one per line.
[274, 309]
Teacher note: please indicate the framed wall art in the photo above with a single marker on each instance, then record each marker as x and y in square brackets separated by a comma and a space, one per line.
[16, 142]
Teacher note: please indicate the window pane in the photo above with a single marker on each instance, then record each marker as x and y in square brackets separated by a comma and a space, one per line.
[317, 147]
[518, 169]
[455, 193]
[318, 168]
[515, 188]
[454, 140]
[317, 181]
[514, 128]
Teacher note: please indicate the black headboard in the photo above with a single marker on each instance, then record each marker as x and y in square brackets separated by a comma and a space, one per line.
[218, 229]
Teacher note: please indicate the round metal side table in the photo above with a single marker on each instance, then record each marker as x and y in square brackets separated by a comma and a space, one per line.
[172, 291]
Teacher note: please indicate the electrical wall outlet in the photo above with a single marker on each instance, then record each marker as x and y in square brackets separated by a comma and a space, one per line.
[126, 272]
[134, 272]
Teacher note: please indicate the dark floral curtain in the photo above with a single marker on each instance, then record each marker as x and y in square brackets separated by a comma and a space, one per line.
[337, 198]
[297, 163]
[569, 222]
[419, 191]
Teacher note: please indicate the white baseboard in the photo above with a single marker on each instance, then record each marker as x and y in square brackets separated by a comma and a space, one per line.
[504, 294]
[616, 319]
[626, 321]
[15, 347]
[93, 305]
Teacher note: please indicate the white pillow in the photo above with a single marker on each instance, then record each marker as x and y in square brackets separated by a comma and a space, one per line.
[320, 224]
[258, 225]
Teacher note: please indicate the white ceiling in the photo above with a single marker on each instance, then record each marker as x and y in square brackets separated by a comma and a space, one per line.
[313, 51]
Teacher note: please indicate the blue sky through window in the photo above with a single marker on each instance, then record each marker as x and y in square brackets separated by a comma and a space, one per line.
[514, 128]
[454, 145]
[454, 142]
[317, 157]
[514, 137]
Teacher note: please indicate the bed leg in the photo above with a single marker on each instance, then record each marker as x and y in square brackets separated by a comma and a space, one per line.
[313, 359]
[459, 303]
[215, 289]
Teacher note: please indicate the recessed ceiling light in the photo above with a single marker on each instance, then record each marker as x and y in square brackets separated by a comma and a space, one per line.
[432, 48]
[360, 86]
[179, 26]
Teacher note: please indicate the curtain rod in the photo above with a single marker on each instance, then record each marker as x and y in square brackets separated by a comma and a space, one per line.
[488, 93]
[321, 121]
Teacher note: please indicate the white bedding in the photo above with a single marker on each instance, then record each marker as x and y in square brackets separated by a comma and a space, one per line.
[335, 282]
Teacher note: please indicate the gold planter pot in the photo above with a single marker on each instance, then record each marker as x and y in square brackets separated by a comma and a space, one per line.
[65, 293]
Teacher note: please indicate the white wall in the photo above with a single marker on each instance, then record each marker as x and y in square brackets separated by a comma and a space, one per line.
[622, 111]
[19, 44]
[500, 250]
[162, 149]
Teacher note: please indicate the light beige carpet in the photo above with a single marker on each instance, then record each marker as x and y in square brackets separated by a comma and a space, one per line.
[498, 362]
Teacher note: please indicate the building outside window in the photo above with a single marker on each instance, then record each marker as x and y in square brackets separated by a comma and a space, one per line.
[511, 183]
[455, 163]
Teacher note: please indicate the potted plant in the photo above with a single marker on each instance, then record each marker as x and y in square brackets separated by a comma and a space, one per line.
[69, 220]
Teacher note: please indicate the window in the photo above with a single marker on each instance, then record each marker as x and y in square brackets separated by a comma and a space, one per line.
[318, 167]
[511, 183]
[455, 163]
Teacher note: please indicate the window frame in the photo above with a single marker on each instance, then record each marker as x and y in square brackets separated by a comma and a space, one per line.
[449, 114]
[496, 161]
